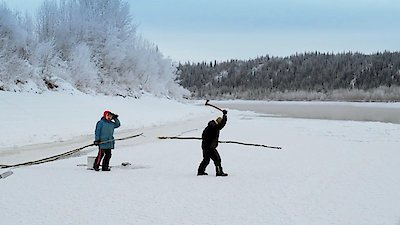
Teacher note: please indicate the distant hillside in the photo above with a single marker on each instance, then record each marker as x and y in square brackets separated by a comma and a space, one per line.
[308, 76]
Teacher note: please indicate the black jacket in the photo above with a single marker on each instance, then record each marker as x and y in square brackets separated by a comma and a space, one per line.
[211, 133]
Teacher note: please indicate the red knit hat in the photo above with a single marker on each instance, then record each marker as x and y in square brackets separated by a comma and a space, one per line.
[105, 113]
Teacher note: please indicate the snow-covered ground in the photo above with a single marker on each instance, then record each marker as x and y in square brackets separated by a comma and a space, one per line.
[329, 171]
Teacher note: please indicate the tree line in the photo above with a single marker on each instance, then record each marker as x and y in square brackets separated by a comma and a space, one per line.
[307, 76]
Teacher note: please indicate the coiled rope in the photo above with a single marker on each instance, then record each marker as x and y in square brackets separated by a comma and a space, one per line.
[65, 154]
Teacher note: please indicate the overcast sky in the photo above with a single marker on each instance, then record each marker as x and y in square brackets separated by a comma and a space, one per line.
[205, 30]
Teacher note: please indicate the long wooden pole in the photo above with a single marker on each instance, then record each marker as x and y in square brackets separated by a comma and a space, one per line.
[227, 142]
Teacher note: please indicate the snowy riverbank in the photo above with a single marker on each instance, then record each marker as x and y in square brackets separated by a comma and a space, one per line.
[329, 171]
[49, 117]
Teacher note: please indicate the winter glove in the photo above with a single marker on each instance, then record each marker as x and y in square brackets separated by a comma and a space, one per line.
[114, 116]
[224, 112]
[96, 143]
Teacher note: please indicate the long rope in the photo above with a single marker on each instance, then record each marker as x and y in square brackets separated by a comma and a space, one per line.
[227, 142]
[65, 154]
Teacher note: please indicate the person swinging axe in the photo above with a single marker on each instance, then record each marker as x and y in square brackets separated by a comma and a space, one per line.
[104, 139]
[210, 143]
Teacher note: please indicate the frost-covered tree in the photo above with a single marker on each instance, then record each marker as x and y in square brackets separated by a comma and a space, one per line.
[89, 44]
[15, 49]
[98, 41]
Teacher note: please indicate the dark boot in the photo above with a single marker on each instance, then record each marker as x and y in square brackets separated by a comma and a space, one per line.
[95, 166]
[201, 173]
[220, 172]
[105, 167]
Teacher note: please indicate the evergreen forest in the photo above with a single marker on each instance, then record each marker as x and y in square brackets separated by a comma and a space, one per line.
[308, 76]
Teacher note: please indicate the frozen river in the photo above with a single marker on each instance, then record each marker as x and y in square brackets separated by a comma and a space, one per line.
[378, 112]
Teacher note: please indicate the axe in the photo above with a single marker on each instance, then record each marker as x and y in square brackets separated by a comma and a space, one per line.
[213, 105]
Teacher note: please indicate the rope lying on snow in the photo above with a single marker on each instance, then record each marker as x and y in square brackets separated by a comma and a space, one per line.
[63, 155]
[227, 142]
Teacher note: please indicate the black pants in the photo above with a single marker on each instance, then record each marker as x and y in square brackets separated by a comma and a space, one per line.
[106, 161]
[209, 153]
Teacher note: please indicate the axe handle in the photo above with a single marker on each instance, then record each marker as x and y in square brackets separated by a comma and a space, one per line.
[213, 106]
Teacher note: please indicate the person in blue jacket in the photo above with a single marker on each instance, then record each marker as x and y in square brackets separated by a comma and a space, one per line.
[104, 139]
